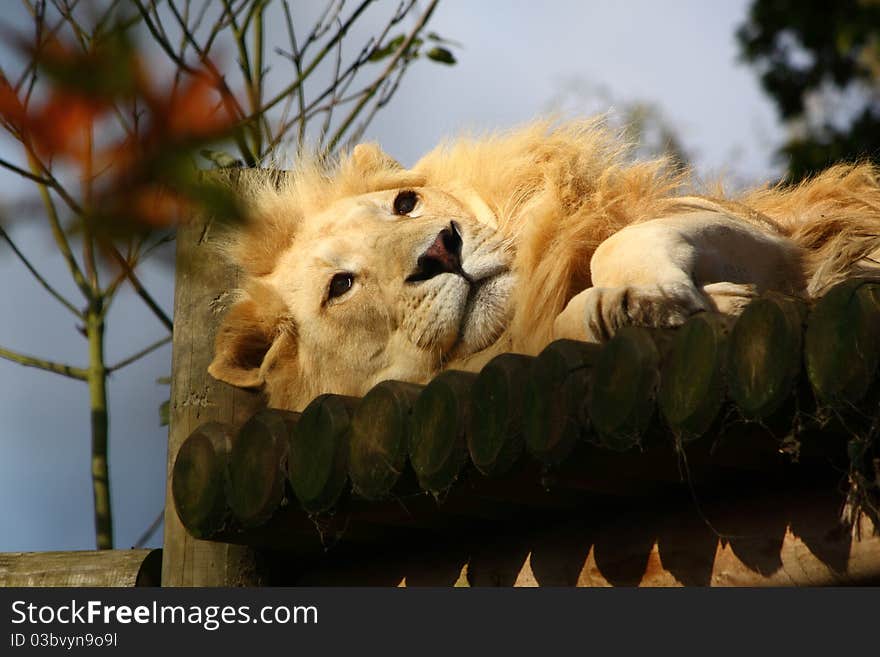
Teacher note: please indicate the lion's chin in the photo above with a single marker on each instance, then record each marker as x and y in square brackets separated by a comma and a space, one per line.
[485, 316]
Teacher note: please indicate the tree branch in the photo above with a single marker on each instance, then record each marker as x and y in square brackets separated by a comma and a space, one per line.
[328, 47]
[143, 352]
[140, 289]
[42, 281]
[60, 238]
[58, 368]
[25, 174]
[401, 51]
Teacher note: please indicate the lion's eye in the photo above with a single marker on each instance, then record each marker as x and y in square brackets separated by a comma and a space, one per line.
[405, 202]
[340, 284]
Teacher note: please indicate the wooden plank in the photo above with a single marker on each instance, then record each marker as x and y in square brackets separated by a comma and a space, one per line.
[201, 283]
[117, 568]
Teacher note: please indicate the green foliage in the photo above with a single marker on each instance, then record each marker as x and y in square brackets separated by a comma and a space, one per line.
[381, 52]
[820, 63]
[441, 55]
[437, 53]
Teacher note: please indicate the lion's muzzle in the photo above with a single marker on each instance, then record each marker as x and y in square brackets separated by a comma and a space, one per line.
[442, 257]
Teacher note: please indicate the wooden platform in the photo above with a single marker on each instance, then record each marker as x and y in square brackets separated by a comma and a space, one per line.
[719, 453]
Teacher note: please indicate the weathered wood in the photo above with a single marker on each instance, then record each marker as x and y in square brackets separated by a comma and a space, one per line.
[197, 479]
[495, 426]
[841, 345]
[379, 438]
[692, 377]
[255, 472]
[437, 447]
[765, 351]
[81, 568]
[317, 453]
[556, 393]
[202, 283]
[624, 388]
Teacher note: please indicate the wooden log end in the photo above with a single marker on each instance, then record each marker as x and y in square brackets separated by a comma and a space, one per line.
[254, 474]
[556, 391]
[197, 479]
[624, 388]
[841, 348]
[379, 438]
[317, 458]
[437, 448]
[495, 431]
[150, 572]
[764, 355]
[691, 383]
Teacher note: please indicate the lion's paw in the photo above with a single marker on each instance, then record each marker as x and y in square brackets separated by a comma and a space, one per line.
[729, 298]
[597, 313]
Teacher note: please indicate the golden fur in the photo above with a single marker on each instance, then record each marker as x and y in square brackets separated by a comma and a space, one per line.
[538, 201]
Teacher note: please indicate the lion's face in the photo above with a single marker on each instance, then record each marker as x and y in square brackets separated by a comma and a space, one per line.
[386, 285]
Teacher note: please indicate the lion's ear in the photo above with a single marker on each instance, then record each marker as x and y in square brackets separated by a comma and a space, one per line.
[246, 334]
[369, 158]
[244, 337]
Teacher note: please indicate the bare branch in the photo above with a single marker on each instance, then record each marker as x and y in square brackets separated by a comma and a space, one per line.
[140, 289]
[58, 368]
[140, 354]
[328, 47]
[25, 174]
[401, 51]
[42, 281]
[149, 531]
[58, 233]
[341, 82]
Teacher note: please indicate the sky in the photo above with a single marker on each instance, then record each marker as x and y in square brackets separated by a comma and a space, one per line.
[516, 58]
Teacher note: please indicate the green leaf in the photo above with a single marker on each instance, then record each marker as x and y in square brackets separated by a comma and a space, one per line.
[381, 52]
[441, 55]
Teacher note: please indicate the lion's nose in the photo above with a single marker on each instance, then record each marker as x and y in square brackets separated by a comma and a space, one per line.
[443, 256]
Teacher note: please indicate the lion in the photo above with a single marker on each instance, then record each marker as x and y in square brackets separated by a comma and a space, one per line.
[359, 270]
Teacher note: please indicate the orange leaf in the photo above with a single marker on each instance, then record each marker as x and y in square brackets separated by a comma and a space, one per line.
[63, 125]
[157, 206]
[11, 107]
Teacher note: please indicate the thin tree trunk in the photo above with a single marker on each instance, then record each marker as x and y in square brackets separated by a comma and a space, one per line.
[97, 379]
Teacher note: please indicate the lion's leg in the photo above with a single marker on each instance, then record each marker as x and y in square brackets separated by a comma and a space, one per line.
[645, 275]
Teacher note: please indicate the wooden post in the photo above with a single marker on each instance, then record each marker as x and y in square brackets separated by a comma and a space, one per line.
[201, 281]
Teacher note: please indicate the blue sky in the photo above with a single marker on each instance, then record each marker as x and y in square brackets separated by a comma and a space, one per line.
[517, 56]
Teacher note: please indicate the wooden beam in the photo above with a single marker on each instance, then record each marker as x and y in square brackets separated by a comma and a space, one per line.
[202, 283]
[84, 568]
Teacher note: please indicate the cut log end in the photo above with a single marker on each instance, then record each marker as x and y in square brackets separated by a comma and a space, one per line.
[317, 458]
[841, 347]
[692, 383]
[437, 448]
[555, 400]
[495, 432]
[624, 388]
[254, 475]
[379, 436]
[197, 479]
[764, 355]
